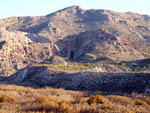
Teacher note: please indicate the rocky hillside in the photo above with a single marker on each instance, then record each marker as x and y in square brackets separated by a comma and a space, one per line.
[19, 49]
[41, 76]
[73, 34]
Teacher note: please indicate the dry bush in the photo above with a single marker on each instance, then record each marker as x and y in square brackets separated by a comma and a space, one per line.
[9, 88]
[66, 108]
[98, 99]
[140, 102]
[142, 97]
[28, 90]
[46, 104]
[88, 110]
[82, 101]
[51, 100]
[49, 106]
[129, 111]
[107, 106]
[7, 99]
[41, 99]
[121, 100]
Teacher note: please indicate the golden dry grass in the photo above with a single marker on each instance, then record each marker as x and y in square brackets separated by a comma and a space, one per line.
[140, 102]
[6, 99]
[130, 111]
[48, 100]
[98, 99]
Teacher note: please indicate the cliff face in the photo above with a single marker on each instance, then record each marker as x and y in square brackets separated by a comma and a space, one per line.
[19, 49]
[73, 33]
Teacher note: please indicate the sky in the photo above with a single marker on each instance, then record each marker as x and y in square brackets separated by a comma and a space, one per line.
[10, 8]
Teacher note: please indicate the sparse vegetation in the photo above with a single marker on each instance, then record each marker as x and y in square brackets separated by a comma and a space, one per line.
[6, 99]
[134, 64]
[123, 64]
[66, 108]
[51, 100]
[49, 106]
[107, 106]
[69, 68]
[129, 111]
[140, 102]
[98, 99]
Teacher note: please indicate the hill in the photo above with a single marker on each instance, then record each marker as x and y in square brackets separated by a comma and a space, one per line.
[74, 34]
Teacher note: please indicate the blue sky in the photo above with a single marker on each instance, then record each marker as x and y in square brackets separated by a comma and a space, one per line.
[43, 7]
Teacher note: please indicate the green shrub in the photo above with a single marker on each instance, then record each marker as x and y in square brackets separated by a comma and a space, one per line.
[88, 64]
[124, 64]
[117, 63]
[134, 64]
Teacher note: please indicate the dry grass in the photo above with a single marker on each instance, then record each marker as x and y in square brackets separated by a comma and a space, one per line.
[123, 100]
[89, 111]
[66, 108]
[129, 111]
[140, 102]
[48, 100]
[49, 106]
[98, 99]
[108, 106]
[7, 99]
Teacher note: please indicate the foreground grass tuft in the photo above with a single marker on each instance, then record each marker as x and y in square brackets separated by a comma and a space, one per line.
[7, 99]
[66, 108]
[129, 111]
[98, 99]
[140, 102]
[46, 104]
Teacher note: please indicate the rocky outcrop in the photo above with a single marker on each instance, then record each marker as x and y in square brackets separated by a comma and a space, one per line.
[102, 81]
[18, 50]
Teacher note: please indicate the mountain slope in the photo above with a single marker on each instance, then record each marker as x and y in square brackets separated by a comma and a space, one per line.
[74, 34]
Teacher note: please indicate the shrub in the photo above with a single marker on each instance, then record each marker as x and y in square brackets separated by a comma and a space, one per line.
[88, 64]
[89, 110]
[41, 99]
[130, 70]
[107, 106]
[49, 106]
[134, 64]
[7, 99]
[124, 64]
[129, 111]
[82, 101]
[117, 63]
[46, 104]
[140, 102]
[144, 67]
[98, 99]
[66, 108]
